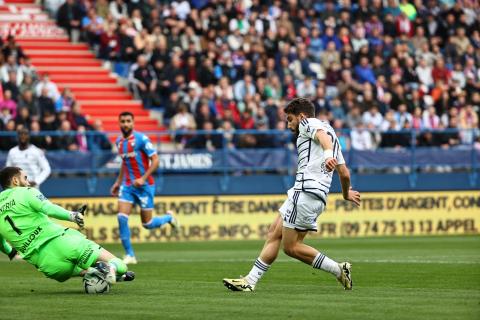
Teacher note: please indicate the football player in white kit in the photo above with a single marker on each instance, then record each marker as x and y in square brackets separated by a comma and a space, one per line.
[319, 154]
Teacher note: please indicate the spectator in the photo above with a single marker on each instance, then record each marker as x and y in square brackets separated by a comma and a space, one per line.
[92, 27]
[66, 140]
[76, 118]
[8, 105]
[12, 86]
[244, 87]
[45, 103]
[183, 120]
[41, 141]
[364, 72]
[440, 72]
[361, 138]
[13, 49]
[9, 141]
[209, 140]
[373, 117]
[23, 118]
[118, 9]
[10, 67]
[66, 101]
[97, 139]
[430, 118]
[27, 100]
[69, 17]
[145, 81]
[47, 88]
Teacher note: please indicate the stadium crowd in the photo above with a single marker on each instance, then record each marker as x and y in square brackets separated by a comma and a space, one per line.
[375, 67]
[33, 101]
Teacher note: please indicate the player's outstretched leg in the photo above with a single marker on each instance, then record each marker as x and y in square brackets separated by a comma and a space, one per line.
[294, 247]
[262, 263]
[158, 221]
[113, 268]
[124, 231]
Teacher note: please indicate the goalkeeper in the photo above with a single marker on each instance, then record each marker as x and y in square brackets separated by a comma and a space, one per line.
[58, 252]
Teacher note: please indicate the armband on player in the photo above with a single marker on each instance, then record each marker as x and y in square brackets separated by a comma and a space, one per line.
[12, 254]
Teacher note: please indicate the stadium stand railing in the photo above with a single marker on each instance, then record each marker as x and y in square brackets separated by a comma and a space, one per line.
[265, 151]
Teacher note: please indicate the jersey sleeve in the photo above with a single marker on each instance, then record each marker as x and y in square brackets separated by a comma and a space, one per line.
[306, 130]
[44, 167]
[147, 146]
[38, 202]
[9, 161]
[4, 246]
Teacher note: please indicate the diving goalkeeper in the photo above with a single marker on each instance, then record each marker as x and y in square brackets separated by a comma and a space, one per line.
[58, 252]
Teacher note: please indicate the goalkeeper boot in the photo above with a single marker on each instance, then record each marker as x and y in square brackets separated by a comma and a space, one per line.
[240, 284]
[127, 276]
[346, 275]
[129, 260]
[174, 222]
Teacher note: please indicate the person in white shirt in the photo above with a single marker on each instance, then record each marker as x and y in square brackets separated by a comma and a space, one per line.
[31, 159]
[52, 88]
[424, 72]
[373, 117]
[361, 138]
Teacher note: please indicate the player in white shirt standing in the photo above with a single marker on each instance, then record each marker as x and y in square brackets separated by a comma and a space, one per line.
[29, 158]
[319, 153]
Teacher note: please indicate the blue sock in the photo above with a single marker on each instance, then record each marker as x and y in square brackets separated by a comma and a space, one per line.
[157, 222]
[125, 234]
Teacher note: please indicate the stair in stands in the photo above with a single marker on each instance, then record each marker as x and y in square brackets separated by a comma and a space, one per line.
[72, 66]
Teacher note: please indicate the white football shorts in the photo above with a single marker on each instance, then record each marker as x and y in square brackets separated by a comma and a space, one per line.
[301, 210]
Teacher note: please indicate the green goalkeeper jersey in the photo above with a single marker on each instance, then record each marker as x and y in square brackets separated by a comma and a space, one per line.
[24, 219]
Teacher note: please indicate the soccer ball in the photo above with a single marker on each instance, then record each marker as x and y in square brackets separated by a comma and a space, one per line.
[95, 284]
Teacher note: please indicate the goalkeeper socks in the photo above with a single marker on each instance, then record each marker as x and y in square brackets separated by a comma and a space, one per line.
[258, 269]
[119, 265]
[323, 262]
[125, 234]
[157, 222]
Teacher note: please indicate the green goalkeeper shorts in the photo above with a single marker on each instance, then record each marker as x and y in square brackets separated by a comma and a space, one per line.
[66, 255]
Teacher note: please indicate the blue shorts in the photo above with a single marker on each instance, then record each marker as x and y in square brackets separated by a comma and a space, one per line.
[142, 196]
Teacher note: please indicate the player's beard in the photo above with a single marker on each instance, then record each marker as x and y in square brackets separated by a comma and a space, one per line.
[126, 132]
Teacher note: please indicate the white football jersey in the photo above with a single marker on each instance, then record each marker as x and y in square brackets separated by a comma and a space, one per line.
[312, 176]
[32, 160]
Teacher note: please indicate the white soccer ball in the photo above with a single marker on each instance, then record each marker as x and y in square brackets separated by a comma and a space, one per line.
[95, 284]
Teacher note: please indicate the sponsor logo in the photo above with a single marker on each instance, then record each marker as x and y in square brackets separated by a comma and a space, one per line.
[128, 155]
[30, 239]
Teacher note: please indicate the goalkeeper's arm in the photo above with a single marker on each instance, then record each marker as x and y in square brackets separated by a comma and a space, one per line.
[7, 249]
[41, 204]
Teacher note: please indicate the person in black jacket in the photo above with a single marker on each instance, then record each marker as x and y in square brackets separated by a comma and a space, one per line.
[69, 16]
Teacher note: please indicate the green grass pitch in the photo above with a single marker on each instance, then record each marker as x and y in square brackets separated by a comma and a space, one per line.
[394, 278]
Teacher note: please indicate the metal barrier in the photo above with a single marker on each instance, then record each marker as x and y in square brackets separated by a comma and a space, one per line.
[269, 151]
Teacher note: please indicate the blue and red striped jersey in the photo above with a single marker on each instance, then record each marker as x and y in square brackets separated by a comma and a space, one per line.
[135, 152]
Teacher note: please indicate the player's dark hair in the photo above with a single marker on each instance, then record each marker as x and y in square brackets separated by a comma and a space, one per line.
[126, 113]
[300, 105]
[6, 175]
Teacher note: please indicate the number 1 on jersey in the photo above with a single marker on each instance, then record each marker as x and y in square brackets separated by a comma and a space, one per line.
[14, 227]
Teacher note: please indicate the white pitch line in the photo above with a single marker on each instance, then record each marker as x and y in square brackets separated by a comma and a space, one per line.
[291, 260]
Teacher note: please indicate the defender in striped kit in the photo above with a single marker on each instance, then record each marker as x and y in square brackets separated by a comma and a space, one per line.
[319, 154]
[135, 184]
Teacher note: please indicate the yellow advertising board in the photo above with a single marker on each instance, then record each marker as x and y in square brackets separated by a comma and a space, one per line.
[248, 216]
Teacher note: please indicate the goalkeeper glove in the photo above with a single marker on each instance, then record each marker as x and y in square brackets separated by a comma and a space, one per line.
[12, 254]
[77, 216]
